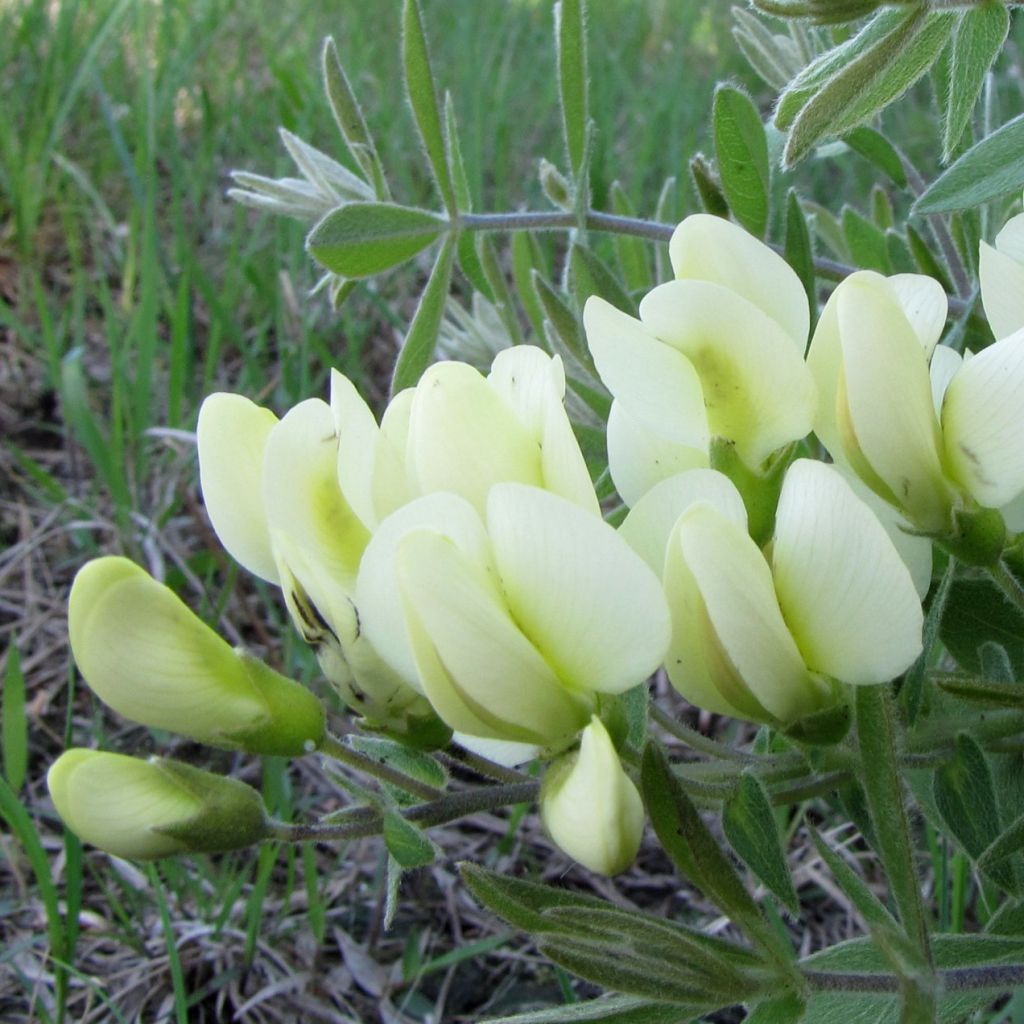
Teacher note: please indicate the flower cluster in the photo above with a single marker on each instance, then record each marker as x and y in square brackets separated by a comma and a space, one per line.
[452, 569]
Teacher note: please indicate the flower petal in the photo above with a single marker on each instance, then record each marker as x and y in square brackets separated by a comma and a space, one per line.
[981, 422]
[945, 365]
[503, 752]
[358, 435]
[464, 437]
[232, 437]
[889, 398]
[585, 600]
[392, 486]
[707, 248]
[313, 528]
[378, 598]
[1001, 273]
[757, 389]
[924, 304]
[649, 525]
[480, 673]
[656, 384]
[843, 589]
[736, 586]
[117, 802]
[640, 457]
[147, 656]
[533, 385]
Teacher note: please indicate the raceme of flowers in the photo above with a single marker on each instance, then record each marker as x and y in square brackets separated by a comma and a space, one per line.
[453, 571]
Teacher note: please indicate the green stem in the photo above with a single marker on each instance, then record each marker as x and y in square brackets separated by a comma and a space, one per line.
[655, 231]
[437, 812]
[335, 749]
[956, 979]
[1011, 587]
[483, 766]
[877, 729]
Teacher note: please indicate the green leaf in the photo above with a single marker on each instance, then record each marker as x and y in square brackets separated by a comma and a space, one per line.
[872, 80]
[589, 275]
[798, 250]
[499, 287]
[422, 93]
[527, 905]
[571, 47]
[709, 188]
[631, 975]
[966, 799]
[420, 342]
[15, 726]
[406, 843]
[979, 690]
[979, 38]
[868, 905]
[564, 333]
[822, 68]
[609, 1010]
[879, 151]
[633, 255]
[880, 774]
[785, 1009]
[749, 823]
[363, 239]
[689, 843]
[667, 212]
[926, 260]
[525, 260]
[1006, 844]
[741, 148]
[977, 612]
[348, 116]
[640, 934]
[989, 169]
[866, 242]
[414, 763]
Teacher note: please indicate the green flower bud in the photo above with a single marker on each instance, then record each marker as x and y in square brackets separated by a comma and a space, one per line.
[155, 808]
[148, 657]
[590, 807]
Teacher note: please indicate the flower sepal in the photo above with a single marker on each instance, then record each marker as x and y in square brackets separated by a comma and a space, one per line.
[294, 724]
[978, 536]
[824, 728]
[231, 814]
[423, 731]
[759, 488]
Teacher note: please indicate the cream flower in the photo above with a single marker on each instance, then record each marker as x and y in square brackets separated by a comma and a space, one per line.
[510, 624]
[924, 429]
[155, 808]
[1001, 274]
[590, 807]
[765, 637]
[717, 353]
[153, 661]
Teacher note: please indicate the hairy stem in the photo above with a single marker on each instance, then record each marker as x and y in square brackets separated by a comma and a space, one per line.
[1011, 587]
[957, 979]
[655, 231]
[437, 812]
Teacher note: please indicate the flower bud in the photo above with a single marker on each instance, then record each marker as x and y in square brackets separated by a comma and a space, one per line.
[590, 807]
[155, 808]
[147, 656]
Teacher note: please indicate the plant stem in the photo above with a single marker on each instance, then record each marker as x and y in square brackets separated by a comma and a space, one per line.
[335, 749]
[877, 727]
[655, 231]
[436, 812]
[483, 766]
[1011, 587]
[956, 979]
